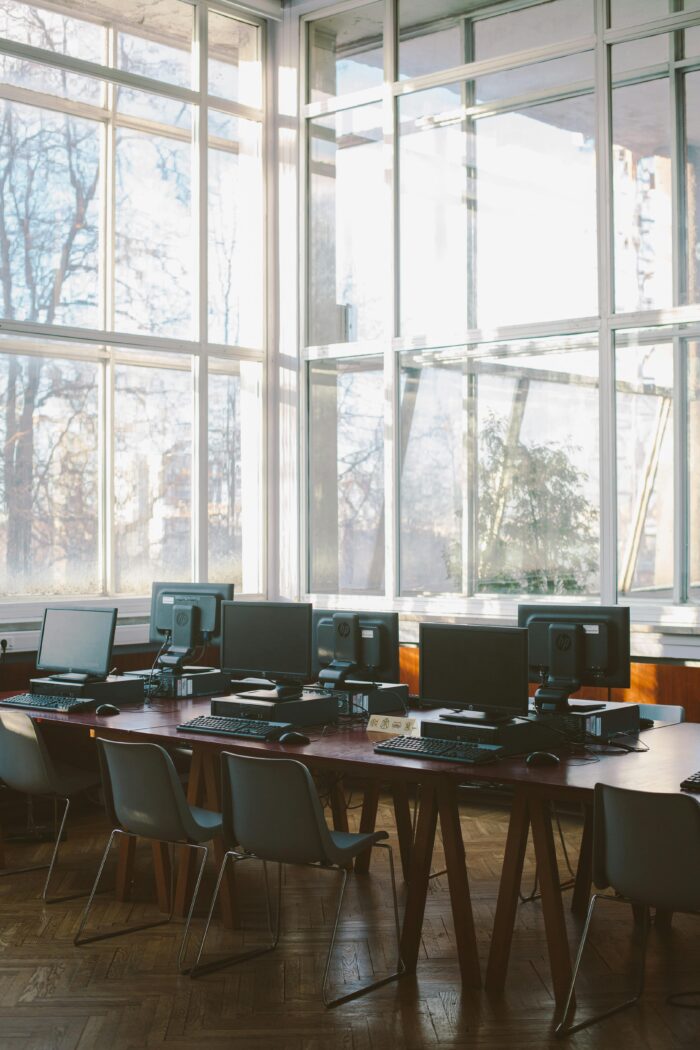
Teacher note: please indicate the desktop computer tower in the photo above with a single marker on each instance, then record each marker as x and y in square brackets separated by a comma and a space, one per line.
[310, 710]
[114, 689]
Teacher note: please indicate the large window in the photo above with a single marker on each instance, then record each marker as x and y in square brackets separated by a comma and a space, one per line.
[502, 303]
[131, 296]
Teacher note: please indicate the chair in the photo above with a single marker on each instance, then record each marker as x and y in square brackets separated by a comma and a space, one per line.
[271, 813]
[144, 797]
[662, 712]
[27, 766]
[646, 847]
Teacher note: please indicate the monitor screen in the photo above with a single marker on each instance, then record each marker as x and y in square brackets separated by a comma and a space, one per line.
[603, 658]
[374, 652]
[77, 640]
[271, 639]
[204, 598]
[466, 666]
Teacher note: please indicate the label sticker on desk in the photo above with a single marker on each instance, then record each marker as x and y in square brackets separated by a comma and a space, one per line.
[394, 725]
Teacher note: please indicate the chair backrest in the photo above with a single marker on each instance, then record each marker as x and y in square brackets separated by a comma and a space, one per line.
[647, 847]
[270, 808]
[25, 764]
[662, 712]
[143, 794]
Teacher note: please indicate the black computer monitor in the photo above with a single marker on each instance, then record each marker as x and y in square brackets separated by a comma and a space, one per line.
[358, 645]
[575, 645]
[77, 643]
[186, 617]
[271, 640]
[479, 670]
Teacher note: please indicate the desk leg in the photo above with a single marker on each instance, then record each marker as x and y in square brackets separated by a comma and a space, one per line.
[460, 899]
[552, 905]
[509, 887]
[125, 867]
[161, 868]
[421, 860]
[584, 869]
[185, 861]
[404, 825]
[368, 822]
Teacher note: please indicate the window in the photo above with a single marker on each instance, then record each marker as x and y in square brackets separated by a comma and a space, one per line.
[131, 296]
[503, 307]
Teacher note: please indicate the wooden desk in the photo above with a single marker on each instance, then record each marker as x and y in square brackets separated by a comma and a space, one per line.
[674, 752]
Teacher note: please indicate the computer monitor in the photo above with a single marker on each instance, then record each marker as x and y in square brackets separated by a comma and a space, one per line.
[186, 617]
[575, 645]
[357, 645]
[271, 640]
[480, 670]
[76, 644]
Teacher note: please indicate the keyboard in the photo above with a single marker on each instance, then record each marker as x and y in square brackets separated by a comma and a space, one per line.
[244, 728]
[37, 702]
[691, 783]
[447, 750]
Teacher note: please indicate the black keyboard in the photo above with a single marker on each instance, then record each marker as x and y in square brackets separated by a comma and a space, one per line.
[245, 728]
[39, 702]
[447, 750]
[691, 783]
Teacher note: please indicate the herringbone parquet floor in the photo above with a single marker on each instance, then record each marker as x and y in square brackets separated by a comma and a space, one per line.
[124, 994]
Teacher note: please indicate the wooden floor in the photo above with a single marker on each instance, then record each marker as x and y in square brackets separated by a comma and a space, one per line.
[124, 994]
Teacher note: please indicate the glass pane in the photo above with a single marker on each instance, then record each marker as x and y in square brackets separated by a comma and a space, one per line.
[692, 42]
[154, 249]
[644, 406]
[236, 534]
[540, 76]
[236, 238]
[235, 66]
[642, 185]
[423, 50]
[535, 240]
[152, 476]
[347, 223]
[631, 12]
[157, 108]
[346, 476]
[537, 520]
[49, 531]
[49, 216]
[548, 23]
[435, 219]
[639, 54]
[158, 41]
[41, 27]
[36, 76]
[345, 52]
[692, 169]
[693, 373]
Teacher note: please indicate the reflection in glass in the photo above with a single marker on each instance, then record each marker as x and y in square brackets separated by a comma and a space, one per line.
[157, 108]
[346, 476]
[644, 408]
[642, 188]
[154, 255]
[152, 476]
[537, 77]
[236, 240]
[51, 30]
[234, 63]
[347, 228]
[235, 466]
[345, 52]
[160, 43]
[49, 531]
[49, 216]
[499, 485]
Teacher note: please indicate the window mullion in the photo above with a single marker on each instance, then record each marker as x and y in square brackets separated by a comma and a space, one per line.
[200, 555]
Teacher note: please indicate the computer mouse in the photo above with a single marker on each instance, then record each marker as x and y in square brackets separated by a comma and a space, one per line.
[542, 758]
[292, 737]
[107, 709]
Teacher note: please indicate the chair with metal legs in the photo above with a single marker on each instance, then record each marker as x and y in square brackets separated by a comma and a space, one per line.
[27, 766]
[646, 848]
[144, 797]
[271, 813]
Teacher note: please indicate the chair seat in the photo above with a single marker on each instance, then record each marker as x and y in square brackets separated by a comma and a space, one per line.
[348, 844]
[207, 821]
[69, 780]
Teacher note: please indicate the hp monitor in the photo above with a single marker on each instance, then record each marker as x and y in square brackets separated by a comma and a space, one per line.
[479, 670]
[358, 645]
[77, 643]
[271, 640]
[186, 617]
[571, 646]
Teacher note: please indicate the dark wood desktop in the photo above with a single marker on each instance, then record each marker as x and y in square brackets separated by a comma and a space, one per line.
[674, 752]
